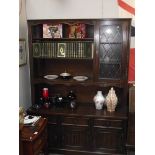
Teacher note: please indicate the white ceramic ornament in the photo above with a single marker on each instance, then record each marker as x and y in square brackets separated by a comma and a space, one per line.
[99, 100]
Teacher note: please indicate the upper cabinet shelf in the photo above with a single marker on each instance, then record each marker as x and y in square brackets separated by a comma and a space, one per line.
[63, 31]
[62, 39]
[71, 40]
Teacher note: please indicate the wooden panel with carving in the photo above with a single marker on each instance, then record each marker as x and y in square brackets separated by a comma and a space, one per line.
[109, 140]
[75, 133]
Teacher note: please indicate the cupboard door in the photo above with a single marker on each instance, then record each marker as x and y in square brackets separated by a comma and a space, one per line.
[112, 49]
[106, 139]
[54, 132]
[75, 137]
[53, 137]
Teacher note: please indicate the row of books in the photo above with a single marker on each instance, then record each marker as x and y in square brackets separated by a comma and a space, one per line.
[63, 49]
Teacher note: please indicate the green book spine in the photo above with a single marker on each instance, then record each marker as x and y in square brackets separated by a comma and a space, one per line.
[52, 50]
[92, 50]
[48, 49]
[36, 50]
[67, 50]
[55, 50]
[42, 49]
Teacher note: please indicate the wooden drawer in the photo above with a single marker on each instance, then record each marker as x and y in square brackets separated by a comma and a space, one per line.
[108, 123]
[40, 141]
[75, 120]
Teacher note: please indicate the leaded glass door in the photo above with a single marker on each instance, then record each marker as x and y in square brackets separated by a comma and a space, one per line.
[110, 49]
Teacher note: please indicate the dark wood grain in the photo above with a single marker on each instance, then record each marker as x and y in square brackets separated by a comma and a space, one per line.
[84, 130]
[34, 143]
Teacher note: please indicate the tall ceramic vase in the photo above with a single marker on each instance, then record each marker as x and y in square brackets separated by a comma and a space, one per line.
[99, 100]
[111, 100]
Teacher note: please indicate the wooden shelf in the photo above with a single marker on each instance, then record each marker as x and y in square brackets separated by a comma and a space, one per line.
[63, 58]
[63, 39]
[87, 110]
[62, 82]
[72, 82]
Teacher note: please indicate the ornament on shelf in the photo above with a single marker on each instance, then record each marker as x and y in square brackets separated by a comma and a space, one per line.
[21, 115]
[72, 100]
[99, 100]
[45, 99]
[111, 100]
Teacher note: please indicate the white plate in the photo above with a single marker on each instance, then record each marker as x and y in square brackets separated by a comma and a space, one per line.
[80, 78]
[51, 77]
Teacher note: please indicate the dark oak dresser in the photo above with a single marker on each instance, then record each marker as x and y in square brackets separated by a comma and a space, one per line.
[99, 50]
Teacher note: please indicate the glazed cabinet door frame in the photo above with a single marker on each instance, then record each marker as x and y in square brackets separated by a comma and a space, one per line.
[124, 25]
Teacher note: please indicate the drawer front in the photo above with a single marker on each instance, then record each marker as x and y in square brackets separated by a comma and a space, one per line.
[75, 120]
[40, 141]
[108, 123]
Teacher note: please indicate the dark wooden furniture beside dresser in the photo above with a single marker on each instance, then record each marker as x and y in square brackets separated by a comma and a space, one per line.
[101, 54]
[131, 122]
[20, 140]
[34, 138]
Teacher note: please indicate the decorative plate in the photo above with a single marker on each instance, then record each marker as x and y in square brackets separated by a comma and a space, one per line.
[80, 78]
[51, 77]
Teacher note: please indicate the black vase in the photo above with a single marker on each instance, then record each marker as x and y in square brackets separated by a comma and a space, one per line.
[72, 100]
[59, 101]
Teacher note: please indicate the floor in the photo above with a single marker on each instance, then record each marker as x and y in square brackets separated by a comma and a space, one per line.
[54, 154]
[50, 154]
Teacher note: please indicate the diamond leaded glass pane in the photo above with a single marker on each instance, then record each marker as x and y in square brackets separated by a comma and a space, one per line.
[110, 71]
[110, 53]
[110, 33]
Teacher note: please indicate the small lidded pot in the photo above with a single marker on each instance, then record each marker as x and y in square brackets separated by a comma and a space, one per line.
[65, 76]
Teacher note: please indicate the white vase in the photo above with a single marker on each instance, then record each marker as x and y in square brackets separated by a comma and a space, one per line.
[111, 100]
[99, 100]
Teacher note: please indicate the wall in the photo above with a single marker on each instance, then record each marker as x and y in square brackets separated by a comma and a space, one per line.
[64, 9]
[24, 80]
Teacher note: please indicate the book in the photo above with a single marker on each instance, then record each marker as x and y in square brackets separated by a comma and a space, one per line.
[52, 30]
[36, 50]
[61, 50]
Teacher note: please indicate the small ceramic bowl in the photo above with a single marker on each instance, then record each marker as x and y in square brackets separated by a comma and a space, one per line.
[65, 75]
